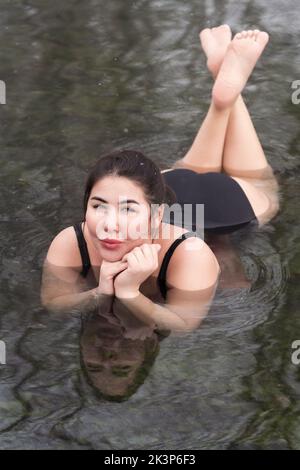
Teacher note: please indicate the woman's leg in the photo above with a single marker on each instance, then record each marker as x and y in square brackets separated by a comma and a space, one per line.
[244, 159]
[253, 173]
[240, 132]
[243, 154]
[236, 59]
[206, 152]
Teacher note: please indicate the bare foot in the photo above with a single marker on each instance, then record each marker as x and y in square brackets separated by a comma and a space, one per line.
[214, 42]
[242, 54]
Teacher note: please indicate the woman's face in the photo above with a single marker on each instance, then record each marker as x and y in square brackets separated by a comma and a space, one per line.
[117, 209]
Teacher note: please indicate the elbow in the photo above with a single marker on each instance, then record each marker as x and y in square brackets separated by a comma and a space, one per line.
[49, 304]
[190, 326]
[184, 326]
[44, 300]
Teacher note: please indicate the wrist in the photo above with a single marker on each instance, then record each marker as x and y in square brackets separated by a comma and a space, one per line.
[127, 293]
[100, 294]
[105, 290]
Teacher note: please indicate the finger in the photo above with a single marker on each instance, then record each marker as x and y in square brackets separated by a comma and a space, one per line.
[119, 271]
[131, 259]
[147, 250]
[145, 255]
[118, 265]
[137, 259]
[155, 253]
[125, 257]
[150, 256]
[150, 251]
[155, 248]
[111, 263]
[121, 266]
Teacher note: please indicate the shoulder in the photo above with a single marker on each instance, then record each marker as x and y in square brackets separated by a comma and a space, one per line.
[63, 250]
[193, 266]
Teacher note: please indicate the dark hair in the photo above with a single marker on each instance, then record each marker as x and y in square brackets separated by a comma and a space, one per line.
[133, 165]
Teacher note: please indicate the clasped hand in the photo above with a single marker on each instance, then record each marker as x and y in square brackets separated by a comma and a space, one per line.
[123, 278]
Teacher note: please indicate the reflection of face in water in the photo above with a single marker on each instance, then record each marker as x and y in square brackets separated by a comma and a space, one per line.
[115, 365]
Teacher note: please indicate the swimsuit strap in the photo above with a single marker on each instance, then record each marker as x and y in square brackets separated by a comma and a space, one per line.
[161, 279]
[86, 263]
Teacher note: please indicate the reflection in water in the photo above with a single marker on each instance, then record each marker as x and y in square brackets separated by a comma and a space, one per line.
[64, 290]
[233, 274]
[115, 359]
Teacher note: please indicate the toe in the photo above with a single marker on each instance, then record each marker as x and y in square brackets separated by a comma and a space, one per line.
[256, 32]
[204, 32]
[241, 35]
[262, 38]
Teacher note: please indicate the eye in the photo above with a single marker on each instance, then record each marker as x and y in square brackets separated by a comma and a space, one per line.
[102, 206]
[129, 209]
[94, 367]
[121, 371]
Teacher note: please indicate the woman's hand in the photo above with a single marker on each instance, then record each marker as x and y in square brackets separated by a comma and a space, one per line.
[142, 262]
[108, 270]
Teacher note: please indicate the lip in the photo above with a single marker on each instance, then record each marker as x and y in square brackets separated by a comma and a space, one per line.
[111, 244]
[111, 241]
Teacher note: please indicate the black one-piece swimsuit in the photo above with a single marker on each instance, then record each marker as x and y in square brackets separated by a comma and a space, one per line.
[226, 206]
[226, 209]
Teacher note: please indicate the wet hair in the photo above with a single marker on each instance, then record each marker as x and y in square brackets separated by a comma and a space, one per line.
[133, 165]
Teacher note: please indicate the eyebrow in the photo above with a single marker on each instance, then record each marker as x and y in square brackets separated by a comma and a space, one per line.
[127, 201]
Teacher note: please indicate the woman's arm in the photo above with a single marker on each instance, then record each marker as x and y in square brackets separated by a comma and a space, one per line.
[192, 273]
[61, 291]
[84, 301]
[183, 311]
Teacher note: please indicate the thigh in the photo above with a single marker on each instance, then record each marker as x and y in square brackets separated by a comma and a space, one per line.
[262, 195]
[197, 168]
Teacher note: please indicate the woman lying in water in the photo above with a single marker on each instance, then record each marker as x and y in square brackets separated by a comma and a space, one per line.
[225, 169]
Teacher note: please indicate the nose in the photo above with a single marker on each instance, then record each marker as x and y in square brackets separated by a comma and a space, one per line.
[111, 222]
